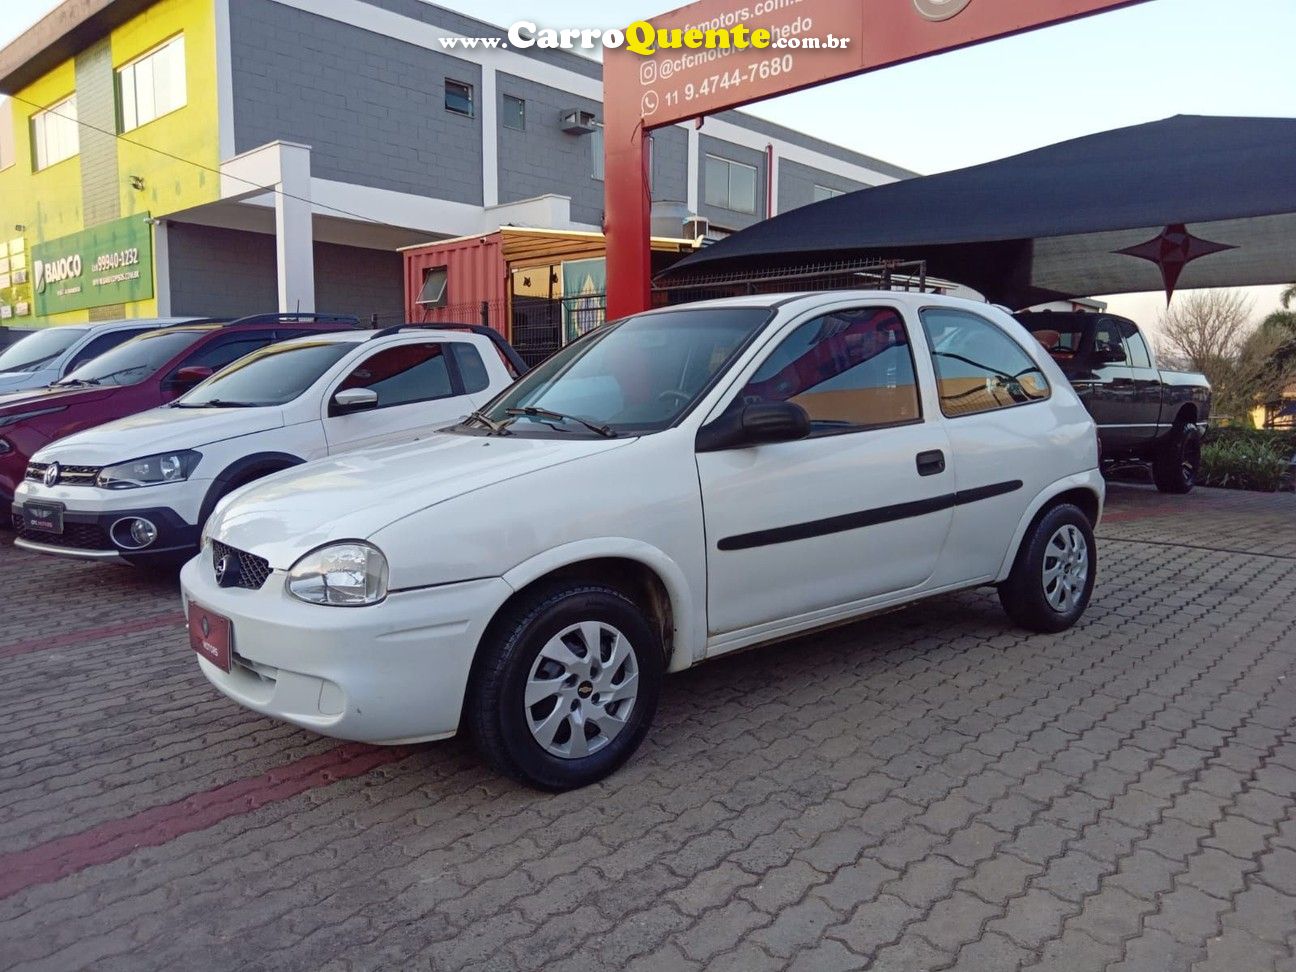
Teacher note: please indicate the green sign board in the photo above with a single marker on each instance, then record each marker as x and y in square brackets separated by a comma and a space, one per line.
[107, 264]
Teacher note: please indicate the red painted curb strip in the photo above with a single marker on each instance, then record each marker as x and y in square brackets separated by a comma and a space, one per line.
[58, 858]
[149, 623]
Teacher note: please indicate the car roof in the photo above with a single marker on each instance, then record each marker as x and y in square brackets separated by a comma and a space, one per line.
[909, 297]
[366, 336]
[150, 323]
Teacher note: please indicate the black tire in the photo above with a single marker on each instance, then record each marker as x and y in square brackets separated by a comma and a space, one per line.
[495, 712]
[1174, 467]
[1025, 596]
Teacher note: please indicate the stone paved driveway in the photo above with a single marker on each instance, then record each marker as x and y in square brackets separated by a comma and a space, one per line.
[926, 790]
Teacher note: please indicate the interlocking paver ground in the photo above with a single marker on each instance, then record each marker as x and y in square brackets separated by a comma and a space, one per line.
[929, 789]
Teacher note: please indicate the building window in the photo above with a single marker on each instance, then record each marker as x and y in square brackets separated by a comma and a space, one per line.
[825, 192]
[54, 134]
[596, 152]
[730, 184]
[433, 293]
[6, 141]
[514, 115]
[153, 85]
[459, 98]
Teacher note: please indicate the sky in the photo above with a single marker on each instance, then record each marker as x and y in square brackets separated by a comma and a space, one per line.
[1125, 67]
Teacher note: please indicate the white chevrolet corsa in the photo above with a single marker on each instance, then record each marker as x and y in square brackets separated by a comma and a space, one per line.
[669, 488]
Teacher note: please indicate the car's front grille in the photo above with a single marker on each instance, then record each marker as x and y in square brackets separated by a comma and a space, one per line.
[252, 570]
[77, 536]
[68, 475]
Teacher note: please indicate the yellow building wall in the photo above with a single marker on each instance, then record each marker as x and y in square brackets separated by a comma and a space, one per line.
[179, 176]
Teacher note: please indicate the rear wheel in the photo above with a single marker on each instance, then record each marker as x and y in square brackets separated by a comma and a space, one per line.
[1175, 465]
[1053, 577]
[566, 687]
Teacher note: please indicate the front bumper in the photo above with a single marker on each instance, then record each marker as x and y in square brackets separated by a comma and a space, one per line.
[90, 513]
[388, 673]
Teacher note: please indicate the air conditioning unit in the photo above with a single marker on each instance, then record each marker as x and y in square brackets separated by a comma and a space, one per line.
[578, 122]
[696, 227]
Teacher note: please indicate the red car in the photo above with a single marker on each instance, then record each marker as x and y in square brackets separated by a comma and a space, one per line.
[145, 372]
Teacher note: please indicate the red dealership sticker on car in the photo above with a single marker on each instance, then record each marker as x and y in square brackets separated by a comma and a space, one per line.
[209, 636]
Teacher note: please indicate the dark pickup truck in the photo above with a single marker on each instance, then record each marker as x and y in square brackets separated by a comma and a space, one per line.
[1142, 412]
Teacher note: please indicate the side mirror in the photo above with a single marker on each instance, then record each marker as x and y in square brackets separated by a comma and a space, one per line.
[186, 378]
[351, 400]
[762, 423]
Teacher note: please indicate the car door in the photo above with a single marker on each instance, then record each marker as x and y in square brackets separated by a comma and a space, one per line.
[418, 390]
[991, 392]
[1145, 411]
[851, 512]
[1106, 384]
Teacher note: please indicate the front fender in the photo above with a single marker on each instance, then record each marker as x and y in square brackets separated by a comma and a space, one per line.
[690, 625]
[1091, 480]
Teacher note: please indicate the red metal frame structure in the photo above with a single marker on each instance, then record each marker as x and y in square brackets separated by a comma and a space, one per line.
[641, 93]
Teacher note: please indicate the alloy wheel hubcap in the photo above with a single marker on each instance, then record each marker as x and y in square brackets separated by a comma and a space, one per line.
[581, 689]
[1066, 568]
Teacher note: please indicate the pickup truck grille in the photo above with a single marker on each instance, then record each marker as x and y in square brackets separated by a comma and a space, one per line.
[68, 475]
[252, 570]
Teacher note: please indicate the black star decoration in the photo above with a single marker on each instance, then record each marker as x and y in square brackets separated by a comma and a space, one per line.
[1173, 249]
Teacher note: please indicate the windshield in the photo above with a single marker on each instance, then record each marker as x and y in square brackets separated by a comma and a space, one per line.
[39, 349]
[135, 360]
[1061, 336]
[273, 376]
[635, 376]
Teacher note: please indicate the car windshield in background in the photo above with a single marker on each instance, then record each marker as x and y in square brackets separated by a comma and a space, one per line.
[633, 377]
[272, 376]
[1060, 338]
[135, 360]
[39, 349]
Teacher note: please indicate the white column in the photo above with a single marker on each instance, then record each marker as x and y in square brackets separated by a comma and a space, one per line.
[294, 236]
[161, 269]
[694, 168]
[490, 137]
[773, 156]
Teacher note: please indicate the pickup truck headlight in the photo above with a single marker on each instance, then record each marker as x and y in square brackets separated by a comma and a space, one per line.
[349, 574]
[166, 467]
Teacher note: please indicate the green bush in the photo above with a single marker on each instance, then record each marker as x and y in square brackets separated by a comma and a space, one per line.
[1283, 440]
[1244, 462]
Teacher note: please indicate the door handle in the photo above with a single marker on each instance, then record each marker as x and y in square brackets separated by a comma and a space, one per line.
[931, 463]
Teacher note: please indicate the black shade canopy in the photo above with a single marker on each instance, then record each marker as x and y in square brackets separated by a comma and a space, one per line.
[1191, 201]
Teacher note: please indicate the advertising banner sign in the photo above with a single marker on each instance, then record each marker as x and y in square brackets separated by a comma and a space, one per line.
[107, 264]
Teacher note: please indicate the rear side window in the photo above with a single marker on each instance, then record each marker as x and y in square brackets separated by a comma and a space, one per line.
[472, 370]
[405, 374]
[1135, 346]
[978, 367]
[1108, 339]
[850, 370]
[99, 345]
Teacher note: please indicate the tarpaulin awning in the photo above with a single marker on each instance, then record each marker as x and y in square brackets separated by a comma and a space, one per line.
[1190, 201]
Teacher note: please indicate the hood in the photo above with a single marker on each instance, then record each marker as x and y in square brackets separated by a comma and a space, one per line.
[159, 430]
[351, 497]
[32, 398]
[18, 380]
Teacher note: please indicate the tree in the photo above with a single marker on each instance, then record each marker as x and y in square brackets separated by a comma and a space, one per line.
[1208, 329]
[1287, 296]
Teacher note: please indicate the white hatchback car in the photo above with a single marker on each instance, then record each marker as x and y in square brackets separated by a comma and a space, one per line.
[667, 489]
[147, 482]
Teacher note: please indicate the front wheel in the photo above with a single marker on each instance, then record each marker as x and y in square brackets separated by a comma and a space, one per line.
[1052, 578]
[566, 687]
[1175, 465]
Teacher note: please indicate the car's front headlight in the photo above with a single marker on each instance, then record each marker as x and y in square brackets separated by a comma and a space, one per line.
[166, 467]
[349, 574]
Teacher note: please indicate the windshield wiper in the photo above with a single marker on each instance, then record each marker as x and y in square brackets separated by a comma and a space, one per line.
[496, 428]
[74, 383]
[531, 411]
[216, 403]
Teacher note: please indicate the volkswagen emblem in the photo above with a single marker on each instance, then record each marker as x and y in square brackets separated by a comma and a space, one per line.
[940, 9]
[52, 474]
